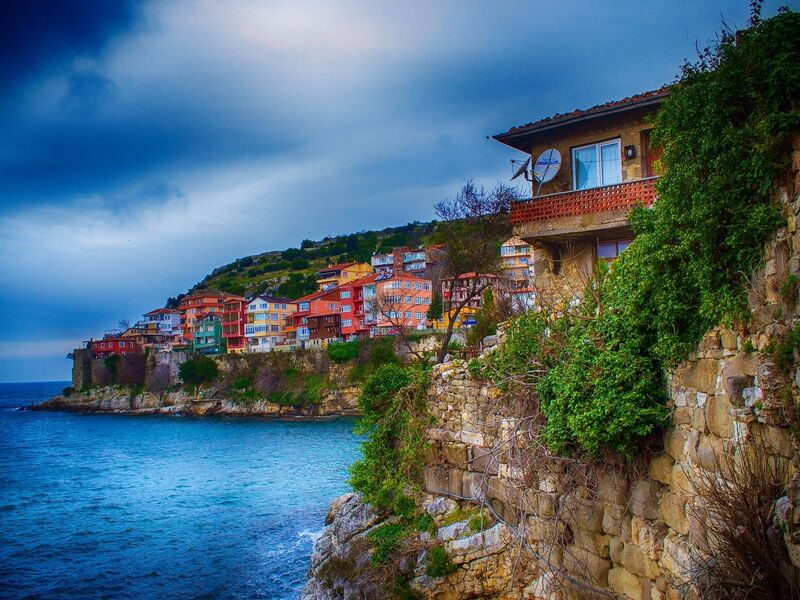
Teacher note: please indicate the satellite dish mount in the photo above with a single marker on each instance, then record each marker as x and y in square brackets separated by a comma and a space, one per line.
[546, 167]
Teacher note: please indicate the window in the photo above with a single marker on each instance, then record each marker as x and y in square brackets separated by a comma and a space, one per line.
[263, 305]
[273, 328]
[596, 165]
[417, 300]
[283, 307]
[274, 316]
[276, 306]
[608, 250]
[304, 306]
[345, 294]
[408, 285]
[427, 300]
[418, 315]
[346, 308]
[408, 299]
[122, 344]
[347, 323]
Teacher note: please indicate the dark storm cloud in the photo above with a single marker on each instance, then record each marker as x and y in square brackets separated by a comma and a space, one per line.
[44, 34]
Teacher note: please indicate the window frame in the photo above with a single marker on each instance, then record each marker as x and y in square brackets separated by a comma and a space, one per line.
[596, 145]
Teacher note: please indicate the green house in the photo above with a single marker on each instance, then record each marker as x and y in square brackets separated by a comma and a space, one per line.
[207, 335]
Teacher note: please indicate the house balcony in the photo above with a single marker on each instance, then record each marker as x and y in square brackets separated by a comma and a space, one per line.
[581, 211]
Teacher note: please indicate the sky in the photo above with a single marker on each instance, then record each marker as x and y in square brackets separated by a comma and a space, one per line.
[144, 143]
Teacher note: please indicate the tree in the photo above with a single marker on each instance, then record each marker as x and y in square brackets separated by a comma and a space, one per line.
[436, 308]
[124, 324]
[306, 244]
[473, 224]
[198, 371]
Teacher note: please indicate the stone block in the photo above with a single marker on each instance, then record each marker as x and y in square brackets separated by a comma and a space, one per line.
[699, 420]
[474, 438]
[440, 506]
[613, 514]
[728, 339]
[483, 460]
[441, 435]
[644, 499]
[675, 443]
[673, 510]
[681, 479]
[594, 542]
[455, 454]
[742, 364]
[472, 485]
[615, 547]
[584, 564]
[626, 583]
[718, 416]
[546, 504]
[612, 486]
[735, 385]
[637, 563]
[682, 415]
[436, 480]
[676, 557]
[582, 513]
[700, 375]
[709, 452]
[649, 536]
[660, 468]
[455, 485]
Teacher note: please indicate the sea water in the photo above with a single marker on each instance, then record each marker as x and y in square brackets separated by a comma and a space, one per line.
[107, 506]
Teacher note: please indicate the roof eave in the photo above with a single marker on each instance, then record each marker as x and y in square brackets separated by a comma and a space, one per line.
[507, 138]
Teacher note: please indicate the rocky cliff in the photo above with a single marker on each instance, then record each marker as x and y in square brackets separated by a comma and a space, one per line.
[120, 400]
[518, 522]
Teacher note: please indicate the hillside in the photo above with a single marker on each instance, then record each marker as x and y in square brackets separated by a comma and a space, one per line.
[290, 272]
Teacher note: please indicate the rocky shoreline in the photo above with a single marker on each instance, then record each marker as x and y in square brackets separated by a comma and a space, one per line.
[341, 402]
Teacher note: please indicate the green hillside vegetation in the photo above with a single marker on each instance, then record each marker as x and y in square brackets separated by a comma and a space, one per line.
[291, 272]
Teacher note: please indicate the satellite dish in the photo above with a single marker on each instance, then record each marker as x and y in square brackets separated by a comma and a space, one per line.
[523, 169]
[547, 165]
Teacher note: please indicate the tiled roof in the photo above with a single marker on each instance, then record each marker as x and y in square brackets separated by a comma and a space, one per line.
[338, 267]
[279, 299]
[163, 311]
[515, 241]
[559, 118]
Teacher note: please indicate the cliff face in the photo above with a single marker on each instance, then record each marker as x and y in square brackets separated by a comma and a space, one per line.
[556, 527]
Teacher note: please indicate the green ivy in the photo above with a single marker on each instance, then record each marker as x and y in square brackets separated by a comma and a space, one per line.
[725, 130]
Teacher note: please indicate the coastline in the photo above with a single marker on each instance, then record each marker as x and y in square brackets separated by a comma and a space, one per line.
[110, 400]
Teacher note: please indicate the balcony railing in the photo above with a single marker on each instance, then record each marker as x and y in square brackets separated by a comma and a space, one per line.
[619, 196]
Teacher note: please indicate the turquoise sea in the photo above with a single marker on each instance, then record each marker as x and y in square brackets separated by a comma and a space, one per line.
[105, 506]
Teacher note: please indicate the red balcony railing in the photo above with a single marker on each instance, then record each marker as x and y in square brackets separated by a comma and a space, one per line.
[619, 196]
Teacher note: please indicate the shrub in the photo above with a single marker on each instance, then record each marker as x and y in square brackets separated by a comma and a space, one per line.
[112, 364]
[394, 408]
[198, 371]
[344, 351]
[386, 537]
[439, 563]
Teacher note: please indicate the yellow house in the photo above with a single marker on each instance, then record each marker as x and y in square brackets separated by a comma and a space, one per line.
[338, 275]
[266, 326]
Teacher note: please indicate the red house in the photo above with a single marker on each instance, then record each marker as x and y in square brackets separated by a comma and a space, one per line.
[112, 344]
[318, 303]
[351, 295]
[233, 320]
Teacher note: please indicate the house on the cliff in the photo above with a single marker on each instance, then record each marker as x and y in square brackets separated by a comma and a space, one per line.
[588, 169]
